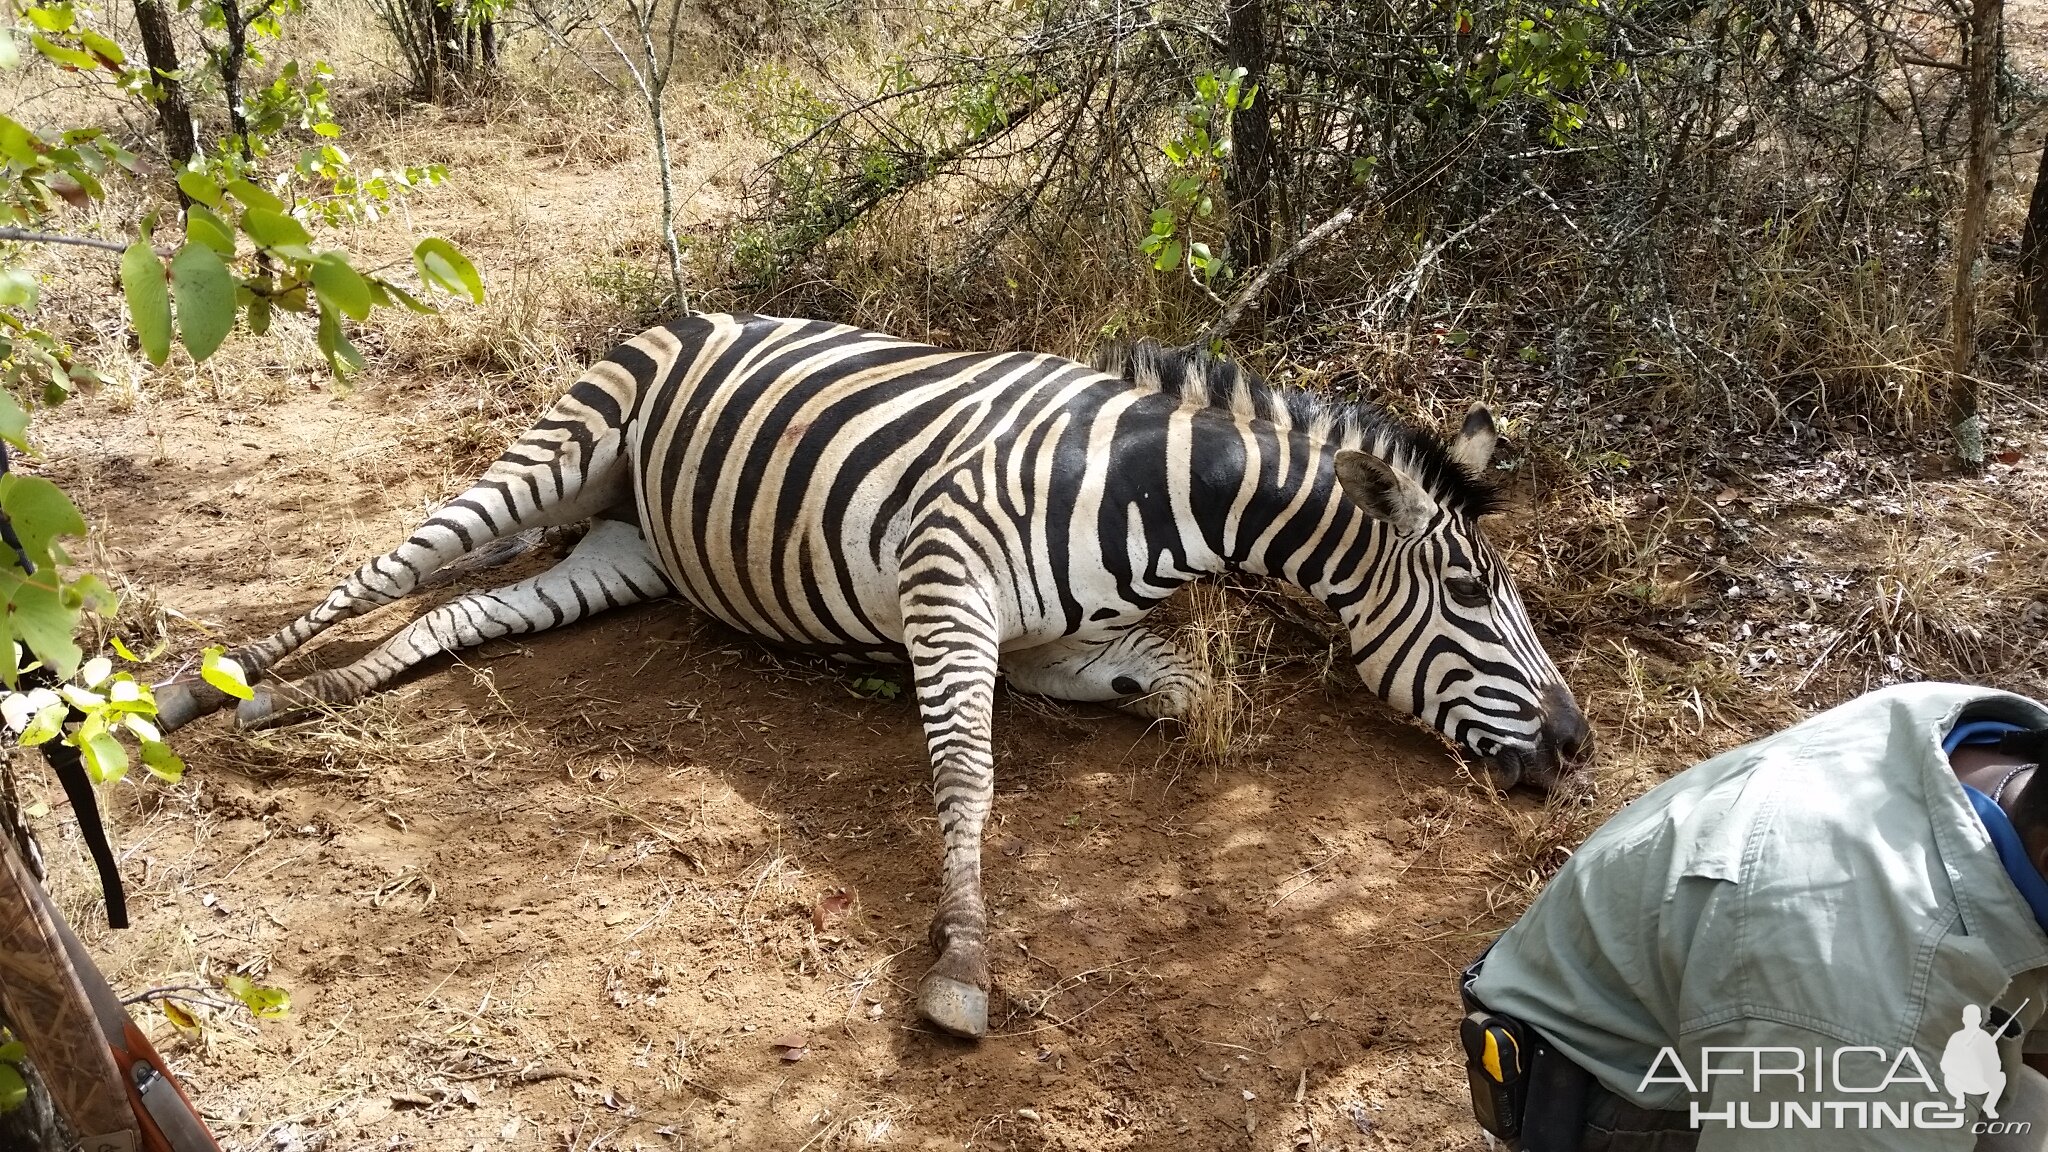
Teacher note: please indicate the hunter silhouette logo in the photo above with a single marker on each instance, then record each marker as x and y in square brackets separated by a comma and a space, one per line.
[1970, 1064]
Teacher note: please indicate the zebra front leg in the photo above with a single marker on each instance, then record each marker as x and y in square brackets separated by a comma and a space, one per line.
[613, 566]
[951, 635]
[1137, 669]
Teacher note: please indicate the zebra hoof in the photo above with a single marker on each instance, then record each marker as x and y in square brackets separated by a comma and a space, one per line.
[181, 702]
[266, 709]
[961, 1009]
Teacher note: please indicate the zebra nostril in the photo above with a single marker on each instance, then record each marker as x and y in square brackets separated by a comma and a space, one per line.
[1564, 726]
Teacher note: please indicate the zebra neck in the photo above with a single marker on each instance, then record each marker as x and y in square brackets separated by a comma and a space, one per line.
[1268, 503]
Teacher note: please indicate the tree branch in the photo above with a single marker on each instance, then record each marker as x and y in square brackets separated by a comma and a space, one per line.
[1255, 289]
[28, 237]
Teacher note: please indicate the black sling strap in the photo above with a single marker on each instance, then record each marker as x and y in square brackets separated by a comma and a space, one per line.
[70, 769]
[66, 763]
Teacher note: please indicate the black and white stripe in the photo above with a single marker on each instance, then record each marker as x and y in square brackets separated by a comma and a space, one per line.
[975, 513]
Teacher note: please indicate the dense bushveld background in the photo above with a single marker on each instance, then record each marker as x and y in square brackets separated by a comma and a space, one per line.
[1700, 257]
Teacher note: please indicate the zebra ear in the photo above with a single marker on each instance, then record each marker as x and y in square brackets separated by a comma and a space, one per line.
[1384, 492]
[1473, 446]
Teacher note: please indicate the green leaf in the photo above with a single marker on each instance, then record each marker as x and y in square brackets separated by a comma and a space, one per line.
[19, 144]
[203, 225]
[254, 197]
[149, 300]
[13, 1089]
[13, 1052]
[108, 52]
[40, 610]
[18, 288]
[68, 57]
[439, 264]
[89, 591]
[200, 187]
[105, 759]
[206, 299]
[259, 315]
[408, 299]
[264, 1003]
[45, 725]
[274, 229]
[342, 286]
[224, 672]
[1168, 258]
[41, 513]
[342, 356]
[162, 763]
[13, 421]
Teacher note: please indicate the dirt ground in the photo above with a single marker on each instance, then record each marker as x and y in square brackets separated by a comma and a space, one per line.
[645, 884]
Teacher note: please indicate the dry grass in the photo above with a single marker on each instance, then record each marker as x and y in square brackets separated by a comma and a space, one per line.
[1225, 638]
[1932, 605]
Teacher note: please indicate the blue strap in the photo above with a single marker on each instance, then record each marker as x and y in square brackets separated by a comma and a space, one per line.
[2004, 837]
[2012, 853]
[1977, 732]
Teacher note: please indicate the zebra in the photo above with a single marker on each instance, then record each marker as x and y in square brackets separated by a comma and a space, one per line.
[878, 499]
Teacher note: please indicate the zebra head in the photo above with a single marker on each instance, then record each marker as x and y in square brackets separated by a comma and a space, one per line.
[1436, 626]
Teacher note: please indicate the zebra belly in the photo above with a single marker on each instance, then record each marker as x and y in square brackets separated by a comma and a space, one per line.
[778, 467]
[773, 467]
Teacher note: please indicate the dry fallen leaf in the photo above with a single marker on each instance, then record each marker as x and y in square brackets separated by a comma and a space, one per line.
[180, 1019]
[832, 909]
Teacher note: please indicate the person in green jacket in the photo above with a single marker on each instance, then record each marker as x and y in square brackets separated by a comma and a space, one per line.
[1831, 938]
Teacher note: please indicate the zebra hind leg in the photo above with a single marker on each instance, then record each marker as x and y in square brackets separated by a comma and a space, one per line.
[1137, 670]
[611, 568]
[565, 469]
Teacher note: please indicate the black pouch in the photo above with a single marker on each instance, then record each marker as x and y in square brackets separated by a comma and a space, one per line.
[1496, 1068]
[1535, 1097]
[1554, 1119]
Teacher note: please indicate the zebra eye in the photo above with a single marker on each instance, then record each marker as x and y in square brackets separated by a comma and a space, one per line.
[1466, 591]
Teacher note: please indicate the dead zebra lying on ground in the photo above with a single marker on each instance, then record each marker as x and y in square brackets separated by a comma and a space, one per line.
[873, 498]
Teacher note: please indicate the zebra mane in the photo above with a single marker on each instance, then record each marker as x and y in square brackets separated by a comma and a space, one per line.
[1199, 378]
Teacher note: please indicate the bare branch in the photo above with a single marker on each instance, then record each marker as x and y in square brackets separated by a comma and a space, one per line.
[1255, 289]
[28, 237]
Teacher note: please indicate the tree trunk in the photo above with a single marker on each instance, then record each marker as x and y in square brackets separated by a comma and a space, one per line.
[2030, 297]
[652, 88]
[1249, 179]
[173, 110]
[430, 51]
[490, 35]
[447, 44]
[231, 62]
[1963, 419]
